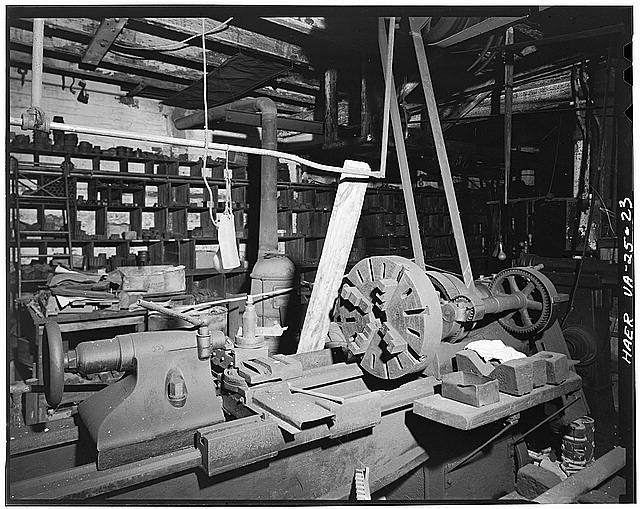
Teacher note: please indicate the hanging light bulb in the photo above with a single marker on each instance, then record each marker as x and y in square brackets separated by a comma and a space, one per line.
[501, 254]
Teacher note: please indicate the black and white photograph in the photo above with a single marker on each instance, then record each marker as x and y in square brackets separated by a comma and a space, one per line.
[319, 254]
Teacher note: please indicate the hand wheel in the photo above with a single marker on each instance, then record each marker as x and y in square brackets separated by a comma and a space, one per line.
[53, 363]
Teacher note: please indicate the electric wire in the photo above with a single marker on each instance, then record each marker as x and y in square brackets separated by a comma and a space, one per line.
[174, 46]
[206, 128]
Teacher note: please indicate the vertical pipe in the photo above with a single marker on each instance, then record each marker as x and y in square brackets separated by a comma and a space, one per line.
[268, 237]
[36, 62]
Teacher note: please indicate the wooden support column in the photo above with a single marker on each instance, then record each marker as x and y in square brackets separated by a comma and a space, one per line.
[333, 261]
[441, 151]
[366, 119]
[330, 106]
[401, 151]
[508, 109]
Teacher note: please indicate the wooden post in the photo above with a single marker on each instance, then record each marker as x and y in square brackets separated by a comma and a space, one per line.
[330, 106]
[333, 261]
[366, 120]
[403, 163]
[508, 108]
[441, 151]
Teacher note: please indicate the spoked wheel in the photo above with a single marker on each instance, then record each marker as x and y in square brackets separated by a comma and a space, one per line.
[537, 314]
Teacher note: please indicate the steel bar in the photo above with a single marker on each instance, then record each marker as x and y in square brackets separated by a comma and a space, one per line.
[103, 39]
[387, 63]
[512, 422]
[586, 479]
[447, 181]
[350, 168]
[548, 418]
[36, 61]
[508, 109]
[403, 163]
[153, 306]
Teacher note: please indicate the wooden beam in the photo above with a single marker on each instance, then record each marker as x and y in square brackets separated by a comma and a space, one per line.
[304, 25]
[285, 124]
[484, 26]
[345, 216]
[330, 106]
[508, 109]
[153, 71]
[105, 35]
[401, 151]
[71, 51]
[366, 101]
[231, 39]
[155, 88]
[139, 44]
[441, 150]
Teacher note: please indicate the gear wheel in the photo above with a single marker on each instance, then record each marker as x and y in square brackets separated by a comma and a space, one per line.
[541, 295]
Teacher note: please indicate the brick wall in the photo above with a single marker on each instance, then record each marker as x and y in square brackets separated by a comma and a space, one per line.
[105, 110]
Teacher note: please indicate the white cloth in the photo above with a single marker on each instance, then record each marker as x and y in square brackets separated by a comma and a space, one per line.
[494, 349]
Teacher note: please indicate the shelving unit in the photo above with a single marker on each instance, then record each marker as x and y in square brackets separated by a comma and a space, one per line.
[176, 226]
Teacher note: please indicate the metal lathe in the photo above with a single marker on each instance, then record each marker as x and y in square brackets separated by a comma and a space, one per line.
[201, 416]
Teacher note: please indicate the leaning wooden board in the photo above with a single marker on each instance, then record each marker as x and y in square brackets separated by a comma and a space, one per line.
[333, 261]
[461, 416]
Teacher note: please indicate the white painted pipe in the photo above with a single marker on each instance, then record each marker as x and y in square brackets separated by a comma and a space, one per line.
[36, 61]
[350, 167]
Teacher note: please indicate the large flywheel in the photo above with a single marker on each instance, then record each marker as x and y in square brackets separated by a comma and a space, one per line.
[389, 311]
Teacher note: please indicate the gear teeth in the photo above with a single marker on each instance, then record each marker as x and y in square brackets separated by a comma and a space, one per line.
[543, 288]
[361, 477]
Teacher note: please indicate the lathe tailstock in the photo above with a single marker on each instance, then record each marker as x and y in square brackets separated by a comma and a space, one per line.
[202, 417]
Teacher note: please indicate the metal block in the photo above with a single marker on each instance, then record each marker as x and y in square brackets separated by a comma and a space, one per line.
[246, 354]
[539, 371]
[238, 443]
[515, 376]
[355, 414]
[470, 388]
[295, 410]
[471, 362]
[557, 366]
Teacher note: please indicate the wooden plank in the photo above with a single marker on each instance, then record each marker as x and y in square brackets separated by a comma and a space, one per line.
[403, 163]
[465, 417]
[87, 481]
[333, 261]
[233, 38]
[286, 124]
[105, 36]
[140, 43]
[441, 150]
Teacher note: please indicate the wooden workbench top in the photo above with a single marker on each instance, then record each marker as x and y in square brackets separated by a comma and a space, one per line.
[459, 415]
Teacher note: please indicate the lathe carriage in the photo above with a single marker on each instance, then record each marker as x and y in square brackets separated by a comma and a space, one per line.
[396, 394]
